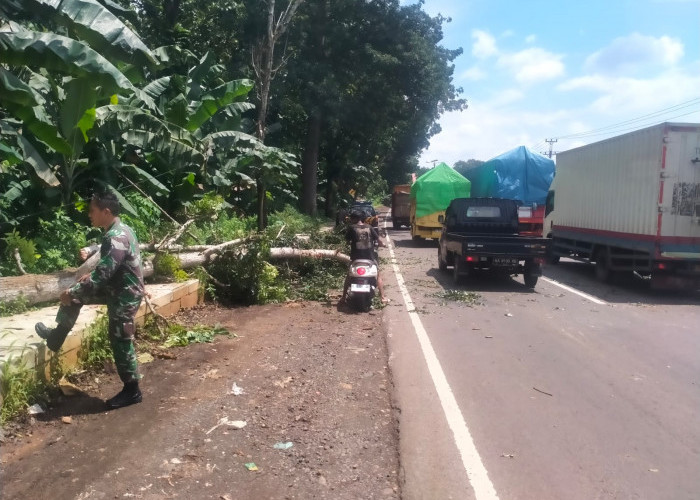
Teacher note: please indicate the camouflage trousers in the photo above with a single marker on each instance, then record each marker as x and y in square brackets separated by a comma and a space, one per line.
[121, 330]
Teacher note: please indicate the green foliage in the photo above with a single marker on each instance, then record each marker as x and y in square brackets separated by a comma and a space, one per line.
[312, 279]
[293, 221]
[58, 242]
[14, 306]
[27, 252]
[180, 336]
[469, 298]
[95, 348]
[225, 226]
[166, 265]
[248, 277]
[147, 222]
[20, 388]
[270, 289]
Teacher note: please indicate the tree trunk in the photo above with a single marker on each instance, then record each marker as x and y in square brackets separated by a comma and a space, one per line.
[37, 288]
[309, 165]
[262, 216]
[331, 189]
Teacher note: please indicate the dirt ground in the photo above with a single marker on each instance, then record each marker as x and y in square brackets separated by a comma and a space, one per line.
[311, 374]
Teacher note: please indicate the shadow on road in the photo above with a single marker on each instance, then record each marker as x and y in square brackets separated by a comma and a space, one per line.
[480, 282]
[411, 243]
[624, 287]
[82, 404]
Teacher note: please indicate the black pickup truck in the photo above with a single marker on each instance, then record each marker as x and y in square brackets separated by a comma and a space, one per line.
[482, 234]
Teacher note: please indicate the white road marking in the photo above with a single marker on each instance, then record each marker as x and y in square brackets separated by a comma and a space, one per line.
[577, 292]
[474, 467]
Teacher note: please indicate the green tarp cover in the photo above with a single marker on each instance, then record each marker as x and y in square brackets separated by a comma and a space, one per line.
[434, 190]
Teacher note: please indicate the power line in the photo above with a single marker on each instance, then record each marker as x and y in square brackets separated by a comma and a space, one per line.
[609, 128]
[628, 129]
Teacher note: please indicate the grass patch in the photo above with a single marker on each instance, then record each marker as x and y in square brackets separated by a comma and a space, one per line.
[469, 298]
[95, 349]
[20, 388]
[14, 306]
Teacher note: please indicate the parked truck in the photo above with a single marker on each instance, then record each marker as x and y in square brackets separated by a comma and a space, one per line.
[482, 234]
[519, 174]
[430, 195]
[401, 206]
[631, 204]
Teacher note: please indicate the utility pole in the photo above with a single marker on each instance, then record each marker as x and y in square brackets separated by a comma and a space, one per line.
[550, 153]
[433, 162]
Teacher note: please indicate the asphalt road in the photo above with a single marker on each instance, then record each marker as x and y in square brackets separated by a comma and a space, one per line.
[557, 395]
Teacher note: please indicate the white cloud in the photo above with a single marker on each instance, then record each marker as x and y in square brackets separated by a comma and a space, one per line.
[530, 38]
[533, 64]
[474, 74]
[484, 44]
[637, 95]
[635, 52]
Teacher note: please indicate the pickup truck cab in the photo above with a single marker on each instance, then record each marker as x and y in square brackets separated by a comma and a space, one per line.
[483, 234]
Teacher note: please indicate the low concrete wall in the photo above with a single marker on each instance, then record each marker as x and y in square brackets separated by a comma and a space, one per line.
[19, 341]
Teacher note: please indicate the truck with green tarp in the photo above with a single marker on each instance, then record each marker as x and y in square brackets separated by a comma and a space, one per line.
[430, 195]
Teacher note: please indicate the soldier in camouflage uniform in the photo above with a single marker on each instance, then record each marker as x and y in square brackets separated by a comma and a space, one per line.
[117, 281]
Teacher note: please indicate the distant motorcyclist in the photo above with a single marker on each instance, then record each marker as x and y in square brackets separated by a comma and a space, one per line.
[362, 238]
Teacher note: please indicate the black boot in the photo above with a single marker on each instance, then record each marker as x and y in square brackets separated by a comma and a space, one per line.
[54, 336]
[129, 395]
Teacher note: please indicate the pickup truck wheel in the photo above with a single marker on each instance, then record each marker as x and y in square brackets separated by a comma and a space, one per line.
[441, 263]
[457, 270]
[530, 280]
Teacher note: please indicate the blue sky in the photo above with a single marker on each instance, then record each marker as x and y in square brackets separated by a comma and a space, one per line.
[579, 71]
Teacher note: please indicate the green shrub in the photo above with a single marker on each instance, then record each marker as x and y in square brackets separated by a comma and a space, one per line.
[14, 306]
[95, 348]
[59, 241]
[20, 388]
[27, 253]
[148, 224]
[167, 266]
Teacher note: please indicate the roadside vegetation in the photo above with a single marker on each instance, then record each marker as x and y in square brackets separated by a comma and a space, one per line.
[212, 122]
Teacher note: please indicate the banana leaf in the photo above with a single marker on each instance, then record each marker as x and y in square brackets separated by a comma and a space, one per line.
[90, 21]
[217, 99]
[30, 155]
[26, 105]
[62, 54]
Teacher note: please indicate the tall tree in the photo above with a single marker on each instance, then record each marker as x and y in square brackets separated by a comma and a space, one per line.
[266, 65]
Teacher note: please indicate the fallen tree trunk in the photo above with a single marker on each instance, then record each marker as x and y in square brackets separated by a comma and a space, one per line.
[37, 288]
[292, 253]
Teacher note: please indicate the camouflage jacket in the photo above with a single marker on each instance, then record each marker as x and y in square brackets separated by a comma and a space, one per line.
[118, 274]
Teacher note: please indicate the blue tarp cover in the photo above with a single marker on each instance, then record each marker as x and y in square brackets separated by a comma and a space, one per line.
[518, 174]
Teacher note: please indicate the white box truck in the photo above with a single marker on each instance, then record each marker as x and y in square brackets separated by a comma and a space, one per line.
[631, 204]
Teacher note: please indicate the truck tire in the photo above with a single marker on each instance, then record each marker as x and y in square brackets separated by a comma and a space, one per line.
[602, 267]
[530, 280]
[530, 274]
[457, 271]
[551, 257]
[442, 265]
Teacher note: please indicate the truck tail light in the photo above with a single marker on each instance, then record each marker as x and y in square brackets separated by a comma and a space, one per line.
[661, 266]
[470, 258]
